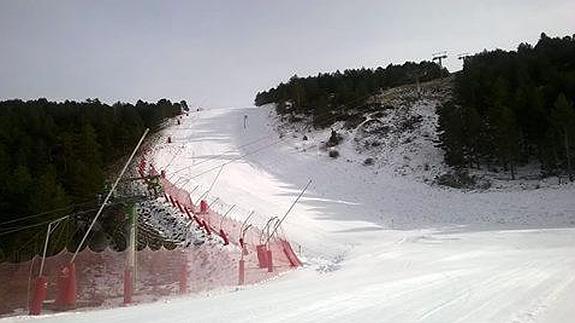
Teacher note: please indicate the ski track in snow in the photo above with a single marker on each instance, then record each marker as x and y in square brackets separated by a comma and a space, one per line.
[377, 247]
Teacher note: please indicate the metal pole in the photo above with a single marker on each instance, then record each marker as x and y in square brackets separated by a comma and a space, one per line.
[109, 195]
[132, 242]
[202, 196]
[192, 191]
[216, 178]
[45, 248]
[48, 232]
[226, 214]
[246, 221]
[213, 202]
[289, 210]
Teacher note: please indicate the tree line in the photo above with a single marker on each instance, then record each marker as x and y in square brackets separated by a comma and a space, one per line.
[56, 155]
[513, 107]
[328, 97]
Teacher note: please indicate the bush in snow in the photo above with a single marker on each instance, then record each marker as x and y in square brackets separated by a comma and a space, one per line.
[334, 139]
[333, 153]
[462, 179]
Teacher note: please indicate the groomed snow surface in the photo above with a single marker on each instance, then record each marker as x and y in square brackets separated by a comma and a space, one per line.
[377, 247]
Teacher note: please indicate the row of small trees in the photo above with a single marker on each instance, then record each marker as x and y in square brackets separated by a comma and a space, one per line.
[513, 107]
[327, 94]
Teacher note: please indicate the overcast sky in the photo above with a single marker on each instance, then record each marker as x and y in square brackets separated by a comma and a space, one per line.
[220, 53]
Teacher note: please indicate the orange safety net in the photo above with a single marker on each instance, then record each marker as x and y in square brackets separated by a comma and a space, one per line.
[230, 255]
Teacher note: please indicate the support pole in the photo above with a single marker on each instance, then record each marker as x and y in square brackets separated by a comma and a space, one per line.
[242, 272]
[288, 211]
[45, 249]
[109, 195]
[129, 273]
[41, 283]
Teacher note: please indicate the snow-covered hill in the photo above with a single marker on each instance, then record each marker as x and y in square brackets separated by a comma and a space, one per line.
[399, 139]
[378, 246]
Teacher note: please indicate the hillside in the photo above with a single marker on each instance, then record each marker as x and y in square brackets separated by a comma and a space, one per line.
[376, 246]
[508, 115]
[402, 139]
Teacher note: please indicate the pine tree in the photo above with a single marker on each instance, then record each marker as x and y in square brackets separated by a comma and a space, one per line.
[451, 134]
[563, 119]
[48, 194]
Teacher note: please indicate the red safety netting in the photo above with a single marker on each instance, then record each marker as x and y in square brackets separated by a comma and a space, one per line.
[264, 246]
[240, 248]
[247, 230]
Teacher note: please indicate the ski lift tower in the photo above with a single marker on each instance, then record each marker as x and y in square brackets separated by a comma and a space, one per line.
[463, 56]
[439, 57]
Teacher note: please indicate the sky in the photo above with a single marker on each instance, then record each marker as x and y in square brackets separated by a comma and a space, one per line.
[221, 53]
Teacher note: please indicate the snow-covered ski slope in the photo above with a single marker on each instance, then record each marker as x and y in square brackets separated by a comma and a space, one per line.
[377, 247]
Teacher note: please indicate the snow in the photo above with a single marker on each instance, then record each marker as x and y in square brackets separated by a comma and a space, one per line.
[377, 246]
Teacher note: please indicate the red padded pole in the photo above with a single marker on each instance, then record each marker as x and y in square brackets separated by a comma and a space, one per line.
[262, 255]
[224, 237]
[40, 292]
[207, 227]
[67, 286]
[128, 286]
[270, 261]
[242, 272]
[203, 207]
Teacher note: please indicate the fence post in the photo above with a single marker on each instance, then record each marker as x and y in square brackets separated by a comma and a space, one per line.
[262, 255]
[224, 237]
[242, 272]
[67, 286]
[128, 286]
[203, 207]
[40, 292]
[207, 227]
[270, 261]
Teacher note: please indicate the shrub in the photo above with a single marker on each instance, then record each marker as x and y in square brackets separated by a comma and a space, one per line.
[368, 161]
[457, 179]
[334, 139]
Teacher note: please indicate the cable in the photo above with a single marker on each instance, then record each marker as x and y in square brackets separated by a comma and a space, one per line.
[45, 212]
[333, 117]
[174, 158]
[219, 155]
[30, 226]
[16, 229]
[235, 159]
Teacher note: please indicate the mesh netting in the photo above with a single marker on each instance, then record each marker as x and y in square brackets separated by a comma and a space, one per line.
[240, 247]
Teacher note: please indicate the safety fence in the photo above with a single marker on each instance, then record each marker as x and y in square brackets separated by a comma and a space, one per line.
[248, 230]
[236, 247]
[261, 241]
